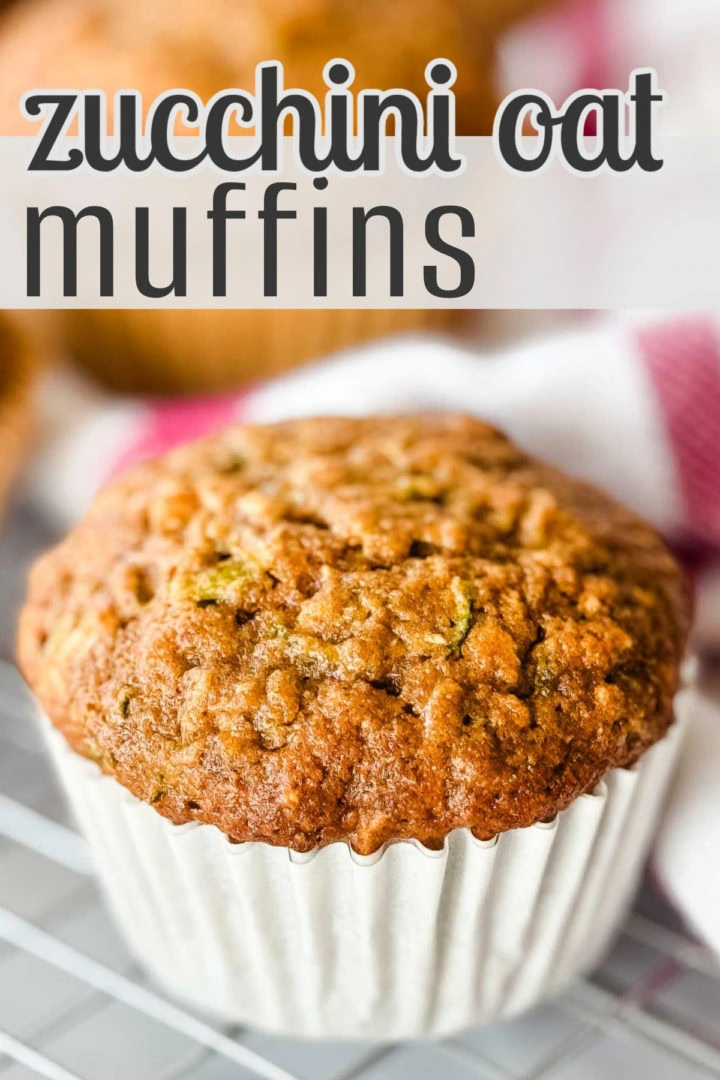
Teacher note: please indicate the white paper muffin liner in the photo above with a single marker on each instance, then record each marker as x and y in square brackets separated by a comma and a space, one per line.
[406, 943]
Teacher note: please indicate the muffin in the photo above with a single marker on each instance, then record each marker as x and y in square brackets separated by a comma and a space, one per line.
[116, 44]
[198, 351]
[15, 410]
[113, 45]
[407, 671]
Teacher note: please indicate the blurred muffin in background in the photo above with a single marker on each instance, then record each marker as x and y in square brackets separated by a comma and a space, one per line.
[16, 376]
[206, 350]
[116, 44]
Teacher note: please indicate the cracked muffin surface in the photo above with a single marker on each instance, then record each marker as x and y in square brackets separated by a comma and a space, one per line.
[356, 629]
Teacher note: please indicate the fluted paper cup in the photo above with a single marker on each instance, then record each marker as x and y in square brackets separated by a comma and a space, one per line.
[406, 943]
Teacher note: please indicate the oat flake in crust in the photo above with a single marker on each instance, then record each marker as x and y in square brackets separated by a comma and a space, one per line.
[358, 630]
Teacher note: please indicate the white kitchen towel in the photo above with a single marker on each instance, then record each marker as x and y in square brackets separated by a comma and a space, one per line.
[575, 44]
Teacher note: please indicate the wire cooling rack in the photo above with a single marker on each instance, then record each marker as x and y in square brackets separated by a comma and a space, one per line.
[74, 1006]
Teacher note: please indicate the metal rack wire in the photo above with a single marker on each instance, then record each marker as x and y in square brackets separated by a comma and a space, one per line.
[74, 1005]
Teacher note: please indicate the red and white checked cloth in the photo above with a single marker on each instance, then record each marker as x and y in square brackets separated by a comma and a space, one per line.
[632, 407]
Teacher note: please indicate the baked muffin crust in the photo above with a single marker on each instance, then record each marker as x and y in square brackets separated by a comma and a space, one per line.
[356, 629]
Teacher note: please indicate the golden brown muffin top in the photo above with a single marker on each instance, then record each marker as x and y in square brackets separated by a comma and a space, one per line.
[165, 44]
[358, 630]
